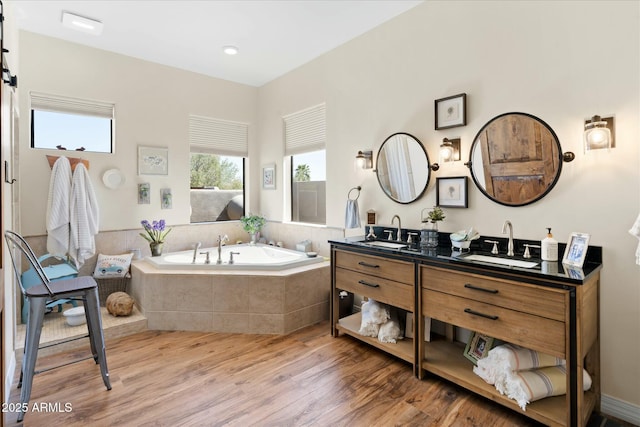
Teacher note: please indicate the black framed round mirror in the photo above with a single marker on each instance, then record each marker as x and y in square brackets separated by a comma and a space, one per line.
[515, 159]
[402, 168]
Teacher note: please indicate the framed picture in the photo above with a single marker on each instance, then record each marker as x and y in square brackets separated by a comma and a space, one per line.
[451, 111]
[153, 161]
[166, 199]
[269, 177]
[451, 192]
[144, 193]
[576, 250]
[478, 347]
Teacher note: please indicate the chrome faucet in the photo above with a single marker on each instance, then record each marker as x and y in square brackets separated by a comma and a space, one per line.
[506, 224]
[399, 232]
[195, 251]
[221, 241]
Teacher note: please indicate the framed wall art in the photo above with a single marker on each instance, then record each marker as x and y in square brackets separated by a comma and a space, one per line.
[144, 193]
[451, 192]
[576, 249]
[153, 160]
[269, 177]
[166, 198]
[478, 347]
[451, 111]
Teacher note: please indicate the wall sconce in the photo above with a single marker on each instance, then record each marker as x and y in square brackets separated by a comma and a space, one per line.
[450, 150]
[598, 133]
[364, 159]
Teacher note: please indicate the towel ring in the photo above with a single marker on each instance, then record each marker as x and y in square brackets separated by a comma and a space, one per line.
[358, 188]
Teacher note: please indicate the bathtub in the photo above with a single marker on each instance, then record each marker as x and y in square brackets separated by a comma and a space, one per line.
[268, 290]
[246, 257]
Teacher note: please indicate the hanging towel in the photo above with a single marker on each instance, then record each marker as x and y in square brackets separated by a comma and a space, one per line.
[58, 202]
[635, 230]
[352, 216]
[84, 216]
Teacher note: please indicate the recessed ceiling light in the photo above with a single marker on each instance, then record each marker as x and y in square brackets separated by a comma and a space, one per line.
[80, 23]
[230, 50]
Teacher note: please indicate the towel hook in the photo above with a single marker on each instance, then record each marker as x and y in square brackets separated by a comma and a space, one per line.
[358, 188]
[6, 174]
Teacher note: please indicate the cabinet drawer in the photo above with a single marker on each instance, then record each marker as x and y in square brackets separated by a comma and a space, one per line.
[524, 329]
[400, 271]
[383, 290]
[536, 300]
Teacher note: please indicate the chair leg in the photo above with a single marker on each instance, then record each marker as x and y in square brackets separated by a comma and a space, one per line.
[94, 322]
[32, 341]
[92, 338]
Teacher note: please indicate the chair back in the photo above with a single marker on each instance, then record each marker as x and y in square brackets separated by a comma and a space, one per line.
[15, 243]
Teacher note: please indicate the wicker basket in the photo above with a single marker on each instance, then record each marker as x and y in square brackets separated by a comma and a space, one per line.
[108, 286]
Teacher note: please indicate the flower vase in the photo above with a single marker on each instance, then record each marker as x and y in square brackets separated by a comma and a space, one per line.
[254, 238]
[156, 248]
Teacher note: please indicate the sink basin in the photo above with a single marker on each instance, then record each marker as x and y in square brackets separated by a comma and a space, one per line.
[501, 261]
[388, 245]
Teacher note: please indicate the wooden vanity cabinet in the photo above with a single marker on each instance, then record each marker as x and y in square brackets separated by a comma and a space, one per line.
[552, 314]
[554, 318]
[385, 280]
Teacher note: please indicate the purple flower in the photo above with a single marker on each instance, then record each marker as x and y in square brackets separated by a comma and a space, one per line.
[155, 231]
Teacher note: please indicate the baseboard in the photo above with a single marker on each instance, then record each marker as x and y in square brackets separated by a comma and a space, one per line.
[620, 409]
[8, 380]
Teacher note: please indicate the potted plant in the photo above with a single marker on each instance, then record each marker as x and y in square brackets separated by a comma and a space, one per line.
[429, 232]
[156, 232]
[252, 224]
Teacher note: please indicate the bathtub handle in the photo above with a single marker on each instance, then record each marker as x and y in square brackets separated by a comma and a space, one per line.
[231, 254]
[208, 260]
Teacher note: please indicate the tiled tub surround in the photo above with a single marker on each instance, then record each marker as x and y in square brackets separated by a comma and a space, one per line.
[256, 302]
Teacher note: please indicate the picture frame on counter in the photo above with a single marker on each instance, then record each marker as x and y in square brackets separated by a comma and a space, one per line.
[576, 250]
[451, 111]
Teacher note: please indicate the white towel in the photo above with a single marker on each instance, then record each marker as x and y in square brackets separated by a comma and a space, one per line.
[58, 202]
[84, 217]
[351, 215]
[635, 230]
[390, 331]
[374, 314]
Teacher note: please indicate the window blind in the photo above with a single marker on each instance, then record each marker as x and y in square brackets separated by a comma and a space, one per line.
[305, 130]
[63, 104]
[216, 136]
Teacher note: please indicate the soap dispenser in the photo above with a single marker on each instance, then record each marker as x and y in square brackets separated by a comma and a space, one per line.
[549, 250]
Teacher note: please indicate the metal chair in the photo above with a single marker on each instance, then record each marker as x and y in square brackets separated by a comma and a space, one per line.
[82, 288]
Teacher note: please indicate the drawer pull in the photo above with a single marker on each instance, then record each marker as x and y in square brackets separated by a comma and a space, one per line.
[364, 264]
[477, 288]
[487, 316]
[371, 285]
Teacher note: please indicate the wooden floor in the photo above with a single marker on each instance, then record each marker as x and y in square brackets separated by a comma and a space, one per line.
[307, 378]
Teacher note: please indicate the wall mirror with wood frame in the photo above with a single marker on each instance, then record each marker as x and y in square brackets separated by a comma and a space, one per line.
[515, 159]
[403, 168]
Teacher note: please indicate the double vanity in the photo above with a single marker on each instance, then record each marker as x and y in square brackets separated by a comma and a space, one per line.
[520, 301]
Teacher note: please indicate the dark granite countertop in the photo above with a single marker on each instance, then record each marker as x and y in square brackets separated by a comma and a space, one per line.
[543, 272]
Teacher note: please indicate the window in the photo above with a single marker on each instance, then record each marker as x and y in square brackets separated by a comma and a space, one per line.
[305, 135]
[70, 123]
[218, 151]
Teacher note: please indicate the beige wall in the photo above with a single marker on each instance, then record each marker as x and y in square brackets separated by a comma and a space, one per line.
[153, 104]
[534, 57]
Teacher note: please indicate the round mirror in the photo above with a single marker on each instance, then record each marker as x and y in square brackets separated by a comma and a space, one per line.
[403, 168]
[515, 159]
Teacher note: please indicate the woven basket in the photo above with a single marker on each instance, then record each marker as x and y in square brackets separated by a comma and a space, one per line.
[108, 286]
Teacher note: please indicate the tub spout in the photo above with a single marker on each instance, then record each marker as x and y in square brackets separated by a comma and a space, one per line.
[195, 251]
[221, 241]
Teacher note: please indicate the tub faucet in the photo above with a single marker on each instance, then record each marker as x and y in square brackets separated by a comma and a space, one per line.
[506, 224]
[221, 241]
[195, 251]
[399, 232]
